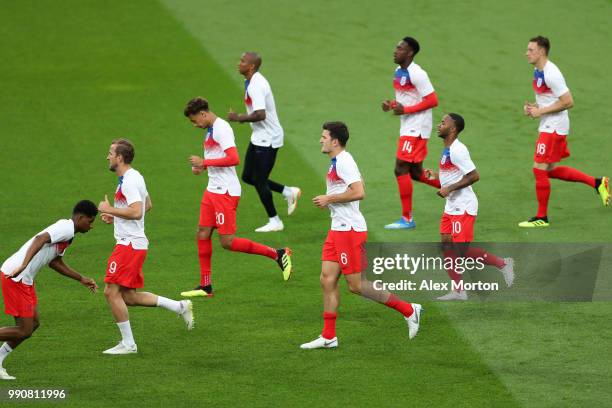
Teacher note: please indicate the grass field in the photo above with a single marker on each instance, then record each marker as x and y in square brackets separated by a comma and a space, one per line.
[80, 73]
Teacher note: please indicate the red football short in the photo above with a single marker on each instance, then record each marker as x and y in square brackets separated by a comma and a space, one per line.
[460, 227]
[550, 148]
[346, 248]
[125, 267]
[412, 149]
[19, 299]
[219, 211]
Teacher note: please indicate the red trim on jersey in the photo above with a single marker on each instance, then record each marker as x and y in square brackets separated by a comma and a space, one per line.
[231, 159]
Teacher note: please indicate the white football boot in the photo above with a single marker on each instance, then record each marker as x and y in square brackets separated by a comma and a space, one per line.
[320, 342]
[292, 199]
[454, 295]
[187, 313]
[414, 320]
[121, 349]
[4, 375]
[271, 226]
[508, 271]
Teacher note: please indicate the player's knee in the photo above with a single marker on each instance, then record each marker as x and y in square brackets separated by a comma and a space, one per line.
[226, 241]
[355, 287]
[25, 332]
[202, 234]
[128, 299]
[110, 293]
[247, 178]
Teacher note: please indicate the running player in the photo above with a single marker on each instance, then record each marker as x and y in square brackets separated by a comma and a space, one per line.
[266, 139]
[414, 101]
[221, 197]
[553, 99]
[124, 271]
[344, 247]
[19, 271]
[456, 176]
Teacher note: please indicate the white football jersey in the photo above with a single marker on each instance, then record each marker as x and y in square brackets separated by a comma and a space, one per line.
[61, 233]
[455, 163]
[131, 189]
[258, 96]
[411, 85]
[217, 140]
[549, 85]
[342, 173]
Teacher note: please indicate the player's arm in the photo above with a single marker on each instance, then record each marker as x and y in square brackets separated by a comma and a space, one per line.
[466, 181]
[565, 102]
[148, 204]
[132, 212]
[431, 174]
[255, 116]
[429, 101]
[58, 265]
[231, 159]
[36, 245]
[354, 192]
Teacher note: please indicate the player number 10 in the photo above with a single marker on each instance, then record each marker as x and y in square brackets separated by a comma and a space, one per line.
[456, 227]
[220, 218]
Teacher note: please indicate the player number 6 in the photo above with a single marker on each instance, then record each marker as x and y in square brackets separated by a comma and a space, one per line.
[343, 258]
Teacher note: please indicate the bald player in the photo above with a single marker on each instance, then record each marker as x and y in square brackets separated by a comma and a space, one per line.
[266, 139]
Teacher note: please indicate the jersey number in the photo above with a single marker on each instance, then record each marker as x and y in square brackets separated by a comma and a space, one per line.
[456, 227]
[220, 218]
[343, 258]
[407, 147]
[112, 268]
[541, 148]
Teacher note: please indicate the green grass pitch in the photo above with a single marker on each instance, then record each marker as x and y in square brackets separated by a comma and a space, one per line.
[76, 74]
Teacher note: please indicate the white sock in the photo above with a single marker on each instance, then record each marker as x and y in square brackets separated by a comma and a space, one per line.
[275, 220]
[4, 351]
[126, 333]
[172, 305]
[286, 192]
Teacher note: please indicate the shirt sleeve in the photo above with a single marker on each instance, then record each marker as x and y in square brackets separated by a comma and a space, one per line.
[61, 231]
[225, 136]
[460, 157]
[348, 171]
[556, 82]
[257, 92]
[420, 80]
[129, 188]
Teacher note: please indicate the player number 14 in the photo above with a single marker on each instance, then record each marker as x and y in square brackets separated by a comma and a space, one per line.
[407, 147]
